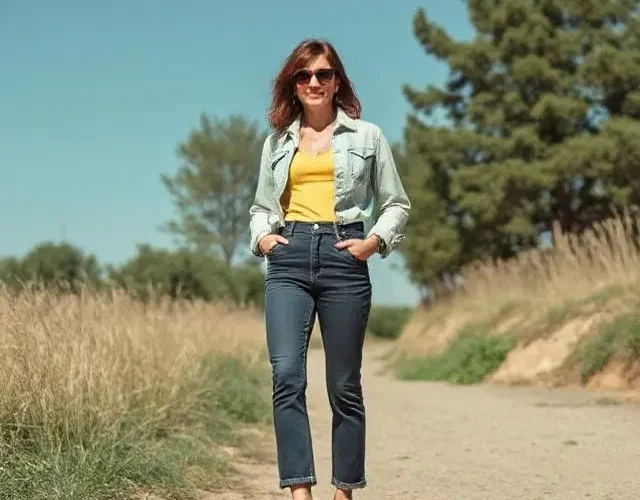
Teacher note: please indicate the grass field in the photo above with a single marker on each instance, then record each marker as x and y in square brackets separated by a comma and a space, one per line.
[104, 397]
[561, 314]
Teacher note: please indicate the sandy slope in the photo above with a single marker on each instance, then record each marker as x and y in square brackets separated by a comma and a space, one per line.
[433, 441]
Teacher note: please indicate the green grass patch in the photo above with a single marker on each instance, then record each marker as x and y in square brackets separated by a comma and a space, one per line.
[558, 314]
[167, 451]
[605, 295]
[619, 337]
[388, 322]
[470, 356]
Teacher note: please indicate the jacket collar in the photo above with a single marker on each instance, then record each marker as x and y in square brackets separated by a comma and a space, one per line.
[343, 121]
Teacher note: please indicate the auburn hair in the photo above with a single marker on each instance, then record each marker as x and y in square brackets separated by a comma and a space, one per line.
[285, 106]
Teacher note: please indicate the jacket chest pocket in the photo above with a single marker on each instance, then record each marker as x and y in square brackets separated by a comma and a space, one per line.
[279, 169]
[361, 161]
[277, 157]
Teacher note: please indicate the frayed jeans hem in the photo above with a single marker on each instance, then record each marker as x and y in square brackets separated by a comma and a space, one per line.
[348, 486]
[298, 481]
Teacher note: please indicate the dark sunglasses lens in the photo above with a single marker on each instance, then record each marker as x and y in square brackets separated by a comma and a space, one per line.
[324, 75]
[303, 76]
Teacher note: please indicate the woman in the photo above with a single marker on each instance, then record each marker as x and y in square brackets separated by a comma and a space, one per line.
[322, 169]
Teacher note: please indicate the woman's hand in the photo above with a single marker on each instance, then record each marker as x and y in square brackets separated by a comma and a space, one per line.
[268, 242]
[360, 249]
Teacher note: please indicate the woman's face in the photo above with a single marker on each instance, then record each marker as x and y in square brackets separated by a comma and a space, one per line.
[316, 84]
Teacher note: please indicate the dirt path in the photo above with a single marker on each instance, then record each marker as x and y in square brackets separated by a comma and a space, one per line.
[433, 441]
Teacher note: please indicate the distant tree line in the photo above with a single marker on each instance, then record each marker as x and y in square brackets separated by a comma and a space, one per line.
[182, 273]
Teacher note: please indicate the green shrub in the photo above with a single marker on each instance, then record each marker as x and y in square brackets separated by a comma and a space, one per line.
[468, 359]
[188, 274]
[388, 321]
[58, 266]
[620, 336]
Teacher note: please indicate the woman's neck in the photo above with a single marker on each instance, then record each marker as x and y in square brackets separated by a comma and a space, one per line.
[319, 119]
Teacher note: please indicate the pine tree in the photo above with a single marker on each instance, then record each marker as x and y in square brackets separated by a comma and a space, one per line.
[542, 111]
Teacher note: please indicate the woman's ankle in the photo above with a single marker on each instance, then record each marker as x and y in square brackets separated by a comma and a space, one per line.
[301, 492]
[341, 494]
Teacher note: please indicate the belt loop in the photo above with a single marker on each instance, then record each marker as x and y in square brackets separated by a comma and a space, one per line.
[335, 230]
[293, 225]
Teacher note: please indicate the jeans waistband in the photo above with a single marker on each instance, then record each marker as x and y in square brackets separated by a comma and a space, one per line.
[335, 228]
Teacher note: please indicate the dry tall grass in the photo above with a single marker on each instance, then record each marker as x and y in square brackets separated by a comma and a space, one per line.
[596, 267]
[69, 360]
[76, 369]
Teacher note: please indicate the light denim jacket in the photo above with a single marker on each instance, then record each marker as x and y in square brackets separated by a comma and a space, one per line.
[365, 172]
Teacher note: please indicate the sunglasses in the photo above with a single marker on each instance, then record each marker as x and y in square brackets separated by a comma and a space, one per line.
[324, 76]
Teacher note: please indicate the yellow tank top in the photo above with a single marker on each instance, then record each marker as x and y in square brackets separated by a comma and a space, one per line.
[309, 194]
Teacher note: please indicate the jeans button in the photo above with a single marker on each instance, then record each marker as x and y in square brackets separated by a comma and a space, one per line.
[316, 226]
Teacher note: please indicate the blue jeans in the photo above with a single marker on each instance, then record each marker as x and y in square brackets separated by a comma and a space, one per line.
[305, 277]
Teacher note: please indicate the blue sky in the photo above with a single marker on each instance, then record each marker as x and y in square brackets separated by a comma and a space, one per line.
[95, 96]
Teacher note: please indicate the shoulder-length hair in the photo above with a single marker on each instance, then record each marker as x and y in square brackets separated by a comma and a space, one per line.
[285, 106]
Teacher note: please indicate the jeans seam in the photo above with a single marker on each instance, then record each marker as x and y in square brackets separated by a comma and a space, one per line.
[307, 333]
[308, 328]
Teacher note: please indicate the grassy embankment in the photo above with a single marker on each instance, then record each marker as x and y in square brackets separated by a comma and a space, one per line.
[105, 398]
[570, 315]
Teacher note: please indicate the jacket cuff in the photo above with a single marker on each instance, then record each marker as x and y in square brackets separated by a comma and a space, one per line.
[390, 239]
[259, 229]
[255, 241]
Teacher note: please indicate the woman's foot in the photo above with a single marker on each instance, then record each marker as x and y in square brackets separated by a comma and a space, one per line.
[301, 492]
[343, 494]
